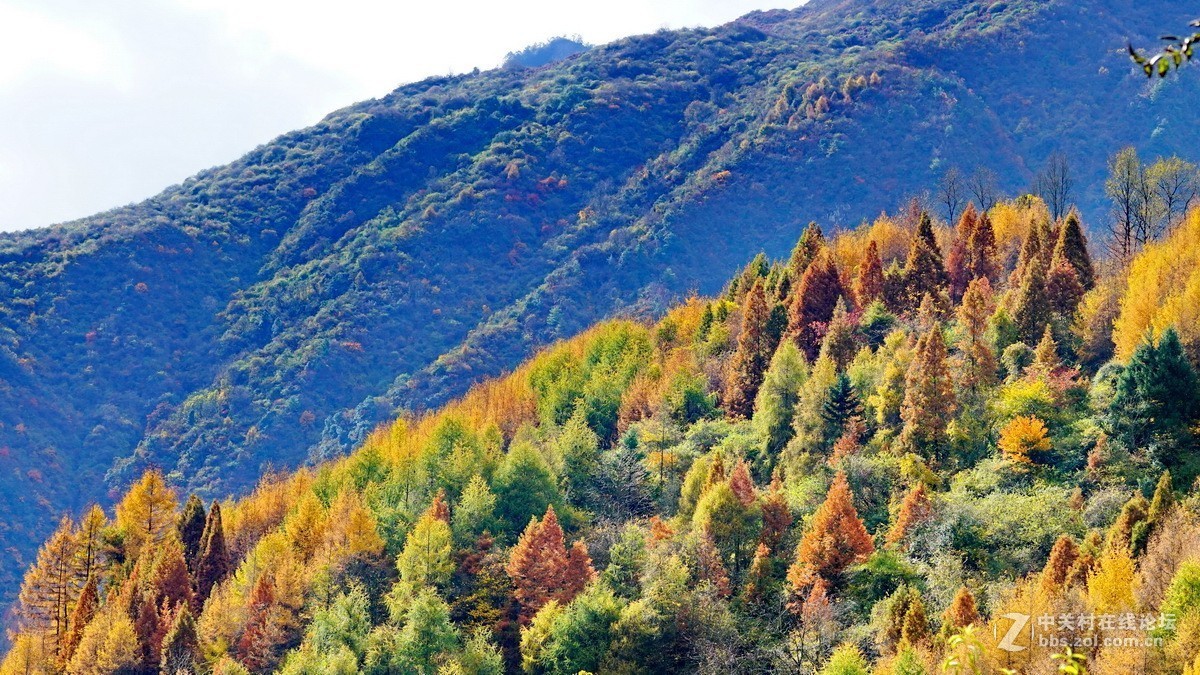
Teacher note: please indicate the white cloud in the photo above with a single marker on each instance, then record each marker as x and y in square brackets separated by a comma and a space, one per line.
[104, 103]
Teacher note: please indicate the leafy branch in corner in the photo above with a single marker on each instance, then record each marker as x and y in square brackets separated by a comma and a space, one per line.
[1176, 53]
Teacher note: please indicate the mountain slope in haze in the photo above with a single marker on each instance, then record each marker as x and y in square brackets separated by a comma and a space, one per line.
[274, 310]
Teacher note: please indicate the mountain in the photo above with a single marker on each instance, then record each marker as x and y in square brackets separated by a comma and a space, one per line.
[273, 311]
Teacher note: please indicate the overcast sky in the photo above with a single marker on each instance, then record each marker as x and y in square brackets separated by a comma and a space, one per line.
[106, 102]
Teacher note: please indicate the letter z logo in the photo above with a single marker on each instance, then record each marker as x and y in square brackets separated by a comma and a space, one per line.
[1008, 643]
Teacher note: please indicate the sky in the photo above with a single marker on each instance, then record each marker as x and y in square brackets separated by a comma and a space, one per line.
[107, 103]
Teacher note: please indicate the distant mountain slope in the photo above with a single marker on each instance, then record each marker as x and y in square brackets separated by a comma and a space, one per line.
[274, 310]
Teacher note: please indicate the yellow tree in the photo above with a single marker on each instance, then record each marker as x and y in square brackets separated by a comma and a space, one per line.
[49, 590]
[146, 513]
[1022, 437]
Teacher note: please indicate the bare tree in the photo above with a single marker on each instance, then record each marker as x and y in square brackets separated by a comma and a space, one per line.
[1148, 217]
[1174, 183]
[1054, 185]
[985, 188]
[952, 193]
[1122, 187]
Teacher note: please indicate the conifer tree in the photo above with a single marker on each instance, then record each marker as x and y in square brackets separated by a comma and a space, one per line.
[256, 648]
[868, 287]
[732, 522]
[89, 541]
[961, 613]
[813, 303]
[710, 568]
[914, 630]
[1058, 566]
[841, 405]
[1160, 504]
[924, 271]
[214, 558]
[914, 510]
[1157, 404]
[958, 261]
[425, 560]
[839, 343]
[146, 513]
[474, 512]
[1045, 355]
[49, 589]
[742, 484]
[1071, 247]
[190, 529]
[775, 407]
[170, 583]
[895, 619]
[83, 613]
[752, 357]
[929, 400]
[1031, 303]
[835, 539]
[181, 645]
[758, 576]
[776, 516]
[811, 243]
[438, 508]
[542, 569]
[578, 572]
[981, 249]
[978, 368]
[1063, 291]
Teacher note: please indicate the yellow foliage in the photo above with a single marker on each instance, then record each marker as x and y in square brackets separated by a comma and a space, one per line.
[109, 644]
[1025, 598]
[249, 519]
[1022, 437]
[27, 656]
[890, 236]
[306, 524]
[1012, 220]
[1162, 289]
[146, 513]
[351, 530]
[1111, 585]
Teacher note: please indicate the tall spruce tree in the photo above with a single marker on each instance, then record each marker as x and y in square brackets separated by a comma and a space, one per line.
[753, 355]
[924, 270]
[841, 405]
[813, 303]
[812, 241]
[978, 362]
[1157, 404]
[958, 261]
[868, 287]
[929, 400]
[1071, 246]
[214, 557]
[982, 250]
[191, 530]
[1030, 303]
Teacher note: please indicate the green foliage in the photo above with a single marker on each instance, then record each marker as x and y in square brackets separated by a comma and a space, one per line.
[581, 634]
[524, 487]
[1156, 405]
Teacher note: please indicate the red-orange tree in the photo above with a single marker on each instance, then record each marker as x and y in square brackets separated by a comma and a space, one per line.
[836, 539]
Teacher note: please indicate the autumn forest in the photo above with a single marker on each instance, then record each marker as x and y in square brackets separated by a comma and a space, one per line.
[872, 456]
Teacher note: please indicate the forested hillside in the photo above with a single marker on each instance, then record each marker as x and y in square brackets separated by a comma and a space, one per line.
[275, 310]
[868, 456]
